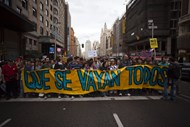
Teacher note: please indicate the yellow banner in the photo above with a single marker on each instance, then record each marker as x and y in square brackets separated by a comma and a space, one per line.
[77, 82]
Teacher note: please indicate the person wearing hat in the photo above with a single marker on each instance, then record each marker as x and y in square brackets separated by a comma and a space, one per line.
[10, 75]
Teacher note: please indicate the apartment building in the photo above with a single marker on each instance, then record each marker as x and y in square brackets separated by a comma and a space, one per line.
[13, 25]
[164, 14]
[183, 44]
[47, 30]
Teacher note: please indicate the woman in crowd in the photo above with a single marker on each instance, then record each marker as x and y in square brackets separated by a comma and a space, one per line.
[104, 68]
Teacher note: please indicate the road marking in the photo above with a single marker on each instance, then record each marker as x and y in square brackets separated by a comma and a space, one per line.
[184, 96]
[5, 122]
[184, 99]
[118, 121]
[127, 98]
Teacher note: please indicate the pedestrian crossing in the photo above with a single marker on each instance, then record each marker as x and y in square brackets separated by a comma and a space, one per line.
[127, 98]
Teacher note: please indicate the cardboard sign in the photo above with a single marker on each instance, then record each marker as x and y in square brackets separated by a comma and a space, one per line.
[153, 43]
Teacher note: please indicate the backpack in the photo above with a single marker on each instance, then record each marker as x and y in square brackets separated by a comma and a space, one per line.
[174, 71]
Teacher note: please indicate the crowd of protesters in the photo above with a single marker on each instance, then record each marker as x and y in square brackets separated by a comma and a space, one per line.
[10, 72]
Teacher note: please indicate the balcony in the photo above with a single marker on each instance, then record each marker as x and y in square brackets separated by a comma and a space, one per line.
[184, 19]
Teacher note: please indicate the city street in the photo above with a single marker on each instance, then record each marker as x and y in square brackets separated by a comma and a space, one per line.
[95, 112]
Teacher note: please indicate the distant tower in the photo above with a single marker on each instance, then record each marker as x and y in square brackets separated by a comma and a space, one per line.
[105, 26]
[102, 31]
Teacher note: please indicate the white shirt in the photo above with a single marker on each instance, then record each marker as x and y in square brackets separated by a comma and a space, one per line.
[113, 67]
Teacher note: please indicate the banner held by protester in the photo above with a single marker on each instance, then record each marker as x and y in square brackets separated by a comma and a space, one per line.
[81, 81]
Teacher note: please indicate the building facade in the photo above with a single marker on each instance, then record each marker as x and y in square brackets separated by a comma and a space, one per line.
[95, 45]
[77, 48]
[183, 42]
[105, 42]
[48, 17]
[14, 23]
[118, 32]
[88, 47]
[72, 42]
[51, 26]
[141, 15]
[67, 28]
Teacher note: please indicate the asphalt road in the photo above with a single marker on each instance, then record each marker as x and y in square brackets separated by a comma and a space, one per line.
[129, 113]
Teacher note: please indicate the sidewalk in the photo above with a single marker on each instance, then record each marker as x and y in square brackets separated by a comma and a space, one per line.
[184, 89]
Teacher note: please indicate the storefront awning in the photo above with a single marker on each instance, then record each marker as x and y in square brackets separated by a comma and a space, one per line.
[10, 19]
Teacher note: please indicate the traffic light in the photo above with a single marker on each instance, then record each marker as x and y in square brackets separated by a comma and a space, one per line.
[82, 45]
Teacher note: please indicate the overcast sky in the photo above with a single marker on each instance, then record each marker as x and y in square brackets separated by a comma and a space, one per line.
[89, 16]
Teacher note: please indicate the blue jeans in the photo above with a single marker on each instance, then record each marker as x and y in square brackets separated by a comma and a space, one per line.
[170, 82]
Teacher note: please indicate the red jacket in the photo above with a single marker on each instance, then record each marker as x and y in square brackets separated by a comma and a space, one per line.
[9, 72]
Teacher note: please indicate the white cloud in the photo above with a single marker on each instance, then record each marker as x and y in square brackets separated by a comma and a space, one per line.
[88, 16]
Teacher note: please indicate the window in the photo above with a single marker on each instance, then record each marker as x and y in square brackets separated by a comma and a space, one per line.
[47, 2]
[47, 23]
[55, 11]
[51, 17]
[163, 47]
[51, 27]
[35, 42]
[47, 13]
[171, 24]
[30, 41]
[34, 12]
[172, 5]
[55, 20]
[41, 30]
[47, 33]
[51, 8]
[174, 14]
[41, 18]
[7, 2]
[55, 28]
[106, 43]
[175, 23]
[41, 6]
[18, 10]
[25, 4]
[35, 1]
[55, 3]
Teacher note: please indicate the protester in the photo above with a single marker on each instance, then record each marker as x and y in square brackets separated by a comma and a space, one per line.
[46, 64]
[97, 63]
[104, 68]
[102, 63]
[173, 75]
[112, 67]
[38, 65]
[125, 62]
[2, 81]
[10, 75]
[60, 65]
